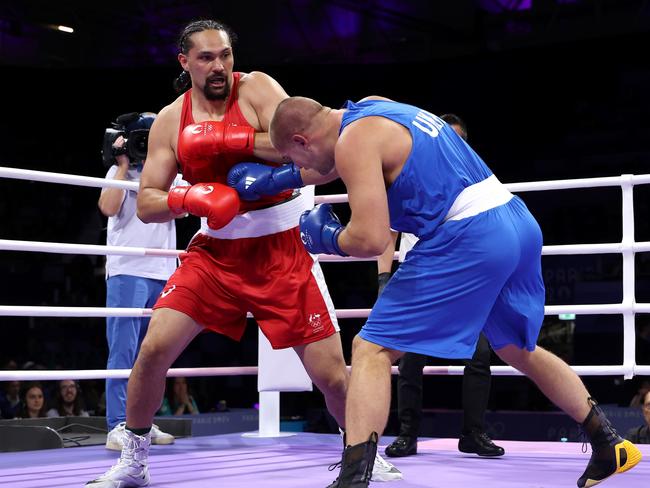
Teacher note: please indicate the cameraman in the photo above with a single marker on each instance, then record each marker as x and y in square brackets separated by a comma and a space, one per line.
[131, 281]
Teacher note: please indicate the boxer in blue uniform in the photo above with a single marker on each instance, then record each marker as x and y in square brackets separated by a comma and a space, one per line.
[475, 268]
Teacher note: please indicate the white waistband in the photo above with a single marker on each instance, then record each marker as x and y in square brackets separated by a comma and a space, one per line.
[266, 221]
[477, 198]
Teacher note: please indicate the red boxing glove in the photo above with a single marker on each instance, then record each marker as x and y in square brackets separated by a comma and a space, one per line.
[219, 203]
[199, 142]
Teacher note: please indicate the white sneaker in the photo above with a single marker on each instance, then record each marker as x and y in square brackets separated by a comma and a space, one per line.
[159, 438]
[131, 469]
[114, 439]
[385, 471]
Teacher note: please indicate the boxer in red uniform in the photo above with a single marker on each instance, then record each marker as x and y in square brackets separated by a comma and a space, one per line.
[248, 255]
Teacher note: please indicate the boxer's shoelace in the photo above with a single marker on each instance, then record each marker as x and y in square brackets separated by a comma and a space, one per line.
[332, 467]
[585, 441]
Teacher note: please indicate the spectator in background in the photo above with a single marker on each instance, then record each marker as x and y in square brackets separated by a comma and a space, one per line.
[641, 434]
[638, 398]
[68, 402]
[178, 399]
[10, 403]
[33, 405]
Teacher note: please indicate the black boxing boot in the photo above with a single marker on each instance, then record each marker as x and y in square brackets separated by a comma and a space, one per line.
[610, 454]
[356, 464]
[382, 470]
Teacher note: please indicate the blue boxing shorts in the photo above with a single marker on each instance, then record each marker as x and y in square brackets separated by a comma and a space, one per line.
[481, 273]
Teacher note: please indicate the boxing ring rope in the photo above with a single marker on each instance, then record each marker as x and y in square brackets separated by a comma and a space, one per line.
[628, 307]
[101, 250]
[622, 180]
[341, 313]
[98, 374]
[47, 177]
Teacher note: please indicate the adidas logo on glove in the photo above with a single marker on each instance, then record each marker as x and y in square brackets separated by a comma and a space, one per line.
[306, 240]
[249, 181]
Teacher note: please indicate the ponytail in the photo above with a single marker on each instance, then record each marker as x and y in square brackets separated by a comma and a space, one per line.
[182, 82]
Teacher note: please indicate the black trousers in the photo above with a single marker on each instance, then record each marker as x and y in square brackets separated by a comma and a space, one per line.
[476, 390]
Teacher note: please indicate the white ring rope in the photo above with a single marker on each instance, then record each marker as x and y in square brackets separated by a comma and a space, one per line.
[628, 247]
[94, 374]
[47, 177]
[96, 250]
[341, 313]
[538, 185]
[101, 250]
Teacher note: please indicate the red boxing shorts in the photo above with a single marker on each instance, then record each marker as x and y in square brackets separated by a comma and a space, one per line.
[272, 276]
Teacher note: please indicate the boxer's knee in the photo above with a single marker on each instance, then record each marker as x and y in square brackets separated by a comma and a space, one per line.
[359, 346]
[168, 334]
[517, 357]
[363, 351]
[336, 383]
[153, 355]
[332, 377]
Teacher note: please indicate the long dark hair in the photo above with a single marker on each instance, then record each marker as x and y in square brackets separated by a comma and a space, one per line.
[77, 405]
[24, 412]
[183, 81]
[170, 394]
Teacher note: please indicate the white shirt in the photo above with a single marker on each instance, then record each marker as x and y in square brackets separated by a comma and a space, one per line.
[126, 229]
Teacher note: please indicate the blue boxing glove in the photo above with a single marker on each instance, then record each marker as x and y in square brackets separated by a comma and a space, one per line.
[320, 229]
[254, 180]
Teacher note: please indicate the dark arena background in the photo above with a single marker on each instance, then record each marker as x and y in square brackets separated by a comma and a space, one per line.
[549, 90]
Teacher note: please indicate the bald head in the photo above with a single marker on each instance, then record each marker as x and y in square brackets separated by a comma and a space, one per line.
[294, 115]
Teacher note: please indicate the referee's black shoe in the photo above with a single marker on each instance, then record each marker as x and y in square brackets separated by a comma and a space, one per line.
[402, 446]
[475, 442]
